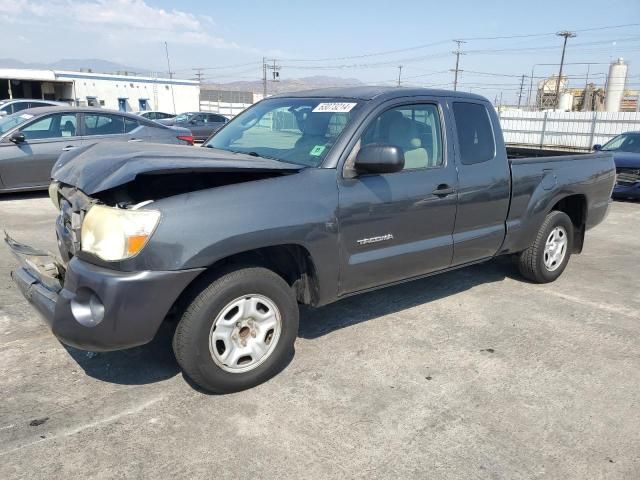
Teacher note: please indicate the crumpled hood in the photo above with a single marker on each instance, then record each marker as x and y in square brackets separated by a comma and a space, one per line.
[106, 165]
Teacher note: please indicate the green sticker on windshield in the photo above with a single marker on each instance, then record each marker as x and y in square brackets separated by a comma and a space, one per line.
[317, 150]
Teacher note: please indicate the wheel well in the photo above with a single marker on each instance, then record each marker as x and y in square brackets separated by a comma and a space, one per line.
[292, 262]
[575, 206]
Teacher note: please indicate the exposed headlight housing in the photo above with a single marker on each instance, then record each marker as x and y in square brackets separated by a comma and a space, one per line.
[54, 195]
[117, 233]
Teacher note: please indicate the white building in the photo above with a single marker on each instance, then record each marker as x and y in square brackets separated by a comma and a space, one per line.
[118, 92]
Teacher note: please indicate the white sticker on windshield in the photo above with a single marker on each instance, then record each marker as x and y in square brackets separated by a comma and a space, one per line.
[26, 116]
[335, 107]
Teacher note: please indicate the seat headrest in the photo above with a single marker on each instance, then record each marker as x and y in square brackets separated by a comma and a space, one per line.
[403, 133]
[316, 124]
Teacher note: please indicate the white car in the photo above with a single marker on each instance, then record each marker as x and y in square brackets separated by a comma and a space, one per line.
[9, 106]
[154, 115]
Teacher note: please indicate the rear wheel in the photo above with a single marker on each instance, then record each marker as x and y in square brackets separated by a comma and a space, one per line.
[238, 331]
[547, 257]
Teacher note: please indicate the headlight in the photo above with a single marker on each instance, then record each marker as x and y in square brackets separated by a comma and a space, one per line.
[116, 233]
[53, 194]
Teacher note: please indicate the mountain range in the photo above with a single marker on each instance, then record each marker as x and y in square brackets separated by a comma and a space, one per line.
[105, 66]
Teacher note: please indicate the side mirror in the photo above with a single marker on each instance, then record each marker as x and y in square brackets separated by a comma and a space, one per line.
[597, 147]
[17, 137]
[379, 158]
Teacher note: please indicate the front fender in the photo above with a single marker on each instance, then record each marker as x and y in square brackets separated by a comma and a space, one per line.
[200, 228]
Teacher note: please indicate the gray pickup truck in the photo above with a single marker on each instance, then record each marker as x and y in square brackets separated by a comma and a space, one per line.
[303, 198]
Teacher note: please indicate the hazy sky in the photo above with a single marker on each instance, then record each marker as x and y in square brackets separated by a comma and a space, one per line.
[230, 38]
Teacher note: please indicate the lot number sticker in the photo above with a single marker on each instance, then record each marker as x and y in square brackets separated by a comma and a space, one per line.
[337, 107]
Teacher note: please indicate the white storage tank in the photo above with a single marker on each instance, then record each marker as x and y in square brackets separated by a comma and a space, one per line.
[566, 102]
[615, 86]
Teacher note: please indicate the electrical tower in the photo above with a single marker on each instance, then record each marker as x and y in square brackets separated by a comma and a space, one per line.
[566, 35]
[399, 75]
[457, 53]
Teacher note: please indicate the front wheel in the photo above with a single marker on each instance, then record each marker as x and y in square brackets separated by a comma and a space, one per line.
[545, 260]
[238, 331]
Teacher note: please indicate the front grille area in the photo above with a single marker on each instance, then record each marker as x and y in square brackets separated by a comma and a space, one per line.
[627, 176]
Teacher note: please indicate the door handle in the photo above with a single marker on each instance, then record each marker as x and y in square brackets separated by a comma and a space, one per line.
[69, 147]
[135, 139]
[443, 190]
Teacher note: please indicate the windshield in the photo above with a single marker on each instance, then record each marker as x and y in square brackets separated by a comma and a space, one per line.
[295, 130]
[627, 142]
[11, 121]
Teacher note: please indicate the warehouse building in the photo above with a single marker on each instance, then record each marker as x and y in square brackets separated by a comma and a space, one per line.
[125, 92]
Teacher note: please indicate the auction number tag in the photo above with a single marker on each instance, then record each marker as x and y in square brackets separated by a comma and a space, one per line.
[335, 107]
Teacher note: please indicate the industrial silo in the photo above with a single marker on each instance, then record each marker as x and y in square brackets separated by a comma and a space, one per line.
[615, 85]
[566, 102]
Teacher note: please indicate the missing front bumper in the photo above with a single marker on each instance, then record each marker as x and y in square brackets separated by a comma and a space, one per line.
[130, 306]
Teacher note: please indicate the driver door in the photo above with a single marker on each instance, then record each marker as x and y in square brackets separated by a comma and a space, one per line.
[399, 225]
[28, 164]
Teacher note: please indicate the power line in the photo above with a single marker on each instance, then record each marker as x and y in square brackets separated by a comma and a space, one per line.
[443, 42]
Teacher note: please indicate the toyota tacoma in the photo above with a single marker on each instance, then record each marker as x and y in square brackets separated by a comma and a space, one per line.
[303, 198]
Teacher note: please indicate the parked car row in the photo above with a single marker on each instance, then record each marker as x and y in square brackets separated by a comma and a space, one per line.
[201, 124]
[31, 140]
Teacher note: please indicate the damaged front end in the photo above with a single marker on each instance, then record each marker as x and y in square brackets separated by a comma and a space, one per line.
[96, 296]
[40, 276]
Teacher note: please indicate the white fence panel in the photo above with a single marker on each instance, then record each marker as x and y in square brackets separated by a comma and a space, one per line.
[573, 130]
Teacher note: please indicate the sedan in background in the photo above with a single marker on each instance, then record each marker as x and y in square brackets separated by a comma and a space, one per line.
[32, 140]
[155, 115]
[7, 107]
[201, 124]
[626, 154]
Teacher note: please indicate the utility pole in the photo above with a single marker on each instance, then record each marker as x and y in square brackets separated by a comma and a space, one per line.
[457, 53]
[521, 87]
[264, 77]
[173, 98]
[399, 75]
[566, 34]
[199, 75]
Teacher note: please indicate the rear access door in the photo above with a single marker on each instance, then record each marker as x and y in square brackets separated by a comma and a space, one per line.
[484, 181]
[399, 225]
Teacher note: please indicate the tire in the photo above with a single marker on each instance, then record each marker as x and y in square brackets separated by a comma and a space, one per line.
[535, 263]
[212, 357]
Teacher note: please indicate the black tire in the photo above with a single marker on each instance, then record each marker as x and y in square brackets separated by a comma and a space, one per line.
[192, 337]
[531, 261]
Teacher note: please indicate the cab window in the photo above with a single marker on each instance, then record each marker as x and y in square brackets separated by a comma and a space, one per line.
[413, 128]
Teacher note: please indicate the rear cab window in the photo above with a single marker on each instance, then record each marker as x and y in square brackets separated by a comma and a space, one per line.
[475, 134]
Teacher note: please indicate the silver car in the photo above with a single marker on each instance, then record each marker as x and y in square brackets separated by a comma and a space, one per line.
[32, 140]
[9, 106]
